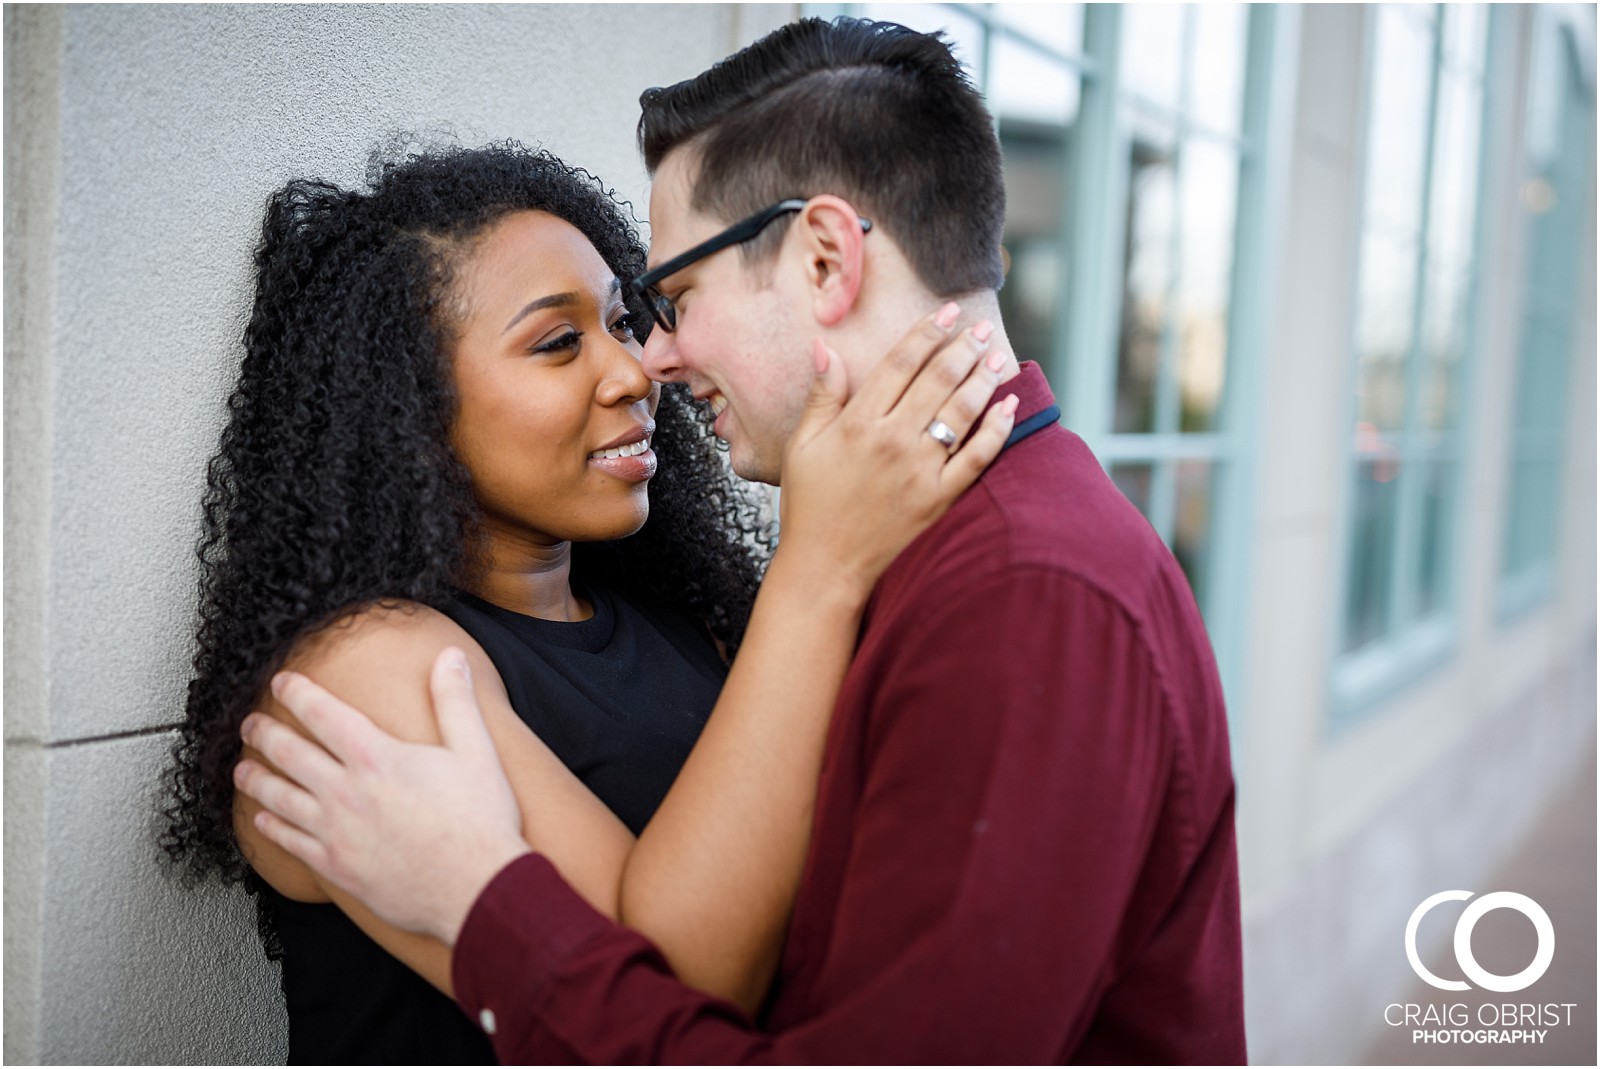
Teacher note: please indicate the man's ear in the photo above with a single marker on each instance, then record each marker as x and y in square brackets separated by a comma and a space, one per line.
[831, 241]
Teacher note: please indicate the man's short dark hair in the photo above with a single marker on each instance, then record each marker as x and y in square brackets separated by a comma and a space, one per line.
[870, 111]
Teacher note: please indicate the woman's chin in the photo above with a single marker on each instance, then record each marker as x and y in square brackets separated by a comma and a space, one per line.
[614, 527]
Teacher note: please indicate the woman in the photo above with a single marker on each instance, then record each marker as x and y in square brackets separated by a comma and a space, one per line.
[442, 435]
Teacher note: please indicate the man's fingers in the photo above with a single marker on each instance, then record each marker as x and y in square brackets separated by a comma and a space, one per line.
[296, 756]
[980, 450]
[294, 840]
[343, 730]
[888, 380]
[455, 704]
[277, 794]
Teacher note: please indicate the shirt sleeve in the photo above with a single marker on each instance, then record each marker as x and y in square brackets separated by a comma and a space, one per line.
[1018, 762]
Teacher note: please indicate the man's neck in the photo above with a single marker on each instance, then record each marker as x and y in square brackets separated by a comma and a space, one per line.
[890, 323]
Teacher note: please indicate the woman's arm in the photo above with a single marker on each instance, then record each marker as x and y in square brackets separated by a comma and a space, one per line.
[714, 874]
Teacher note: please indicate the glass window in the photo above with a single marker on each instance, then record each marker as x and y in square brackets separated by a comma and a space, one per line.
[1192, 524]
[1058, 27]
[1415, 280]
[1558, 148]
[1153, 52]
[1208, 195]
[1397, 133]
[1216, 85]
[1147, 272]
[1031, 86]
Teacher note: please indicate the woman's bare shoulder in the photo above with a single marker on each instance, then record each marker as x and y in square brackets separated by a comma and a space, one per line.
[378, 659]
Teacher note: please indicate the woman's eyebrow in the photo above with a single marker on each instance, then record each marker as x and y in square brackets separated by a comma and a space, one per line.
[556, 300]
[532, 306]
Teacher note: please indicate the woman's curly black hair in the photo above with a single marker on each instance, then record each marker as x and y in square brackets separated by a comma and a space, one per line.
[335, 485]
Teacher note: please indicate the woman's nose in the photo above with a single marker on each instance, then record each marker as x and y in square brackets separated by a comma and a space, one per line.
[625, 380]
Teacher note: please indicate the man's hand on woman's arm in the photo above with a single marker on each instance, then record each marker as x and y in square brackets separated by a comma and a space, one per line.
[413, 831]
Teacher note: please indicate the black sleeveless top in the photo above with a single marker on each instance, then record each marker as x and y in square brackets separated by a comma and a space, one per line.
[620, 698]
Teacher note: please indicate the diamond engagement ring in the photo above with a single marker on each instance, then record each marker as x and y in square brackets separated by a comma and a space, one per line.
[940, 431]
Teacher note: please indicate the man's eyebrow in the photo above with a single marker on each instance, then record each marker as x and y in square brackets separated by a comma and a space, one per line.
[556, 300]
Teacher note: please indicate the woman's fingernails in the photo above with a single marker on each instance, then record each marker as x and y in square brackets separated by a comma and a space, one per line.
[279, 681]
[983, 330]
[995, 362]
[948, 315]
[1009, 405]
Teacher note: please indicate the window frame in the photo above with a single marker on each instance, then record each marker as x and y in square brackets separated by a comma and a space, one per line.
[1089, 350]
[1413, 646]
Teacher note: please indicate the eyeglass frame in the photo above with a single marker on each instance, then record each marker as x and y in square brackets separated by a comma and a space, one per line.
[662, 308]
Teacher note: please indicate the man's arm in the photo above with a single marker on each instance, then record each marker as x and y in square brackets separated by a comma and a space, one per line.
[994, 855]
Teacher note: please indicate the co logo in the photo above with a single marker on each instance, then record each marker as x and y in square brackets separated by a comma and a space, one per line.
[1463, 941]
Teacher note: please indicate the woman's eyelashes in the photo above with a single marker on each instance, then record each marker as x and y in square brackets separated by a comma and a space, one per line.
[621, 327]
[560, 343]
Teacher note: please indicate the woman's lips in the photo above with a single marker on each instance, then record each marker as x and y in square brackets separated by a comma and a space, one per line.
[635, 462]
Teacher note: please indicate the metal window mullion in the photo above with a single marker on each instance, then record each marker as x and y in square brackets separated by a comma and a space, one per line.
[1120, 448]
[1086, 337]
[1406, 542]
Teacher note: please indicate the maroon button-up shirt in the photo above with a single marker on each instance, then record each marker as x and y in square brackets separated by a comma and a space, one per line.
[1023, 848]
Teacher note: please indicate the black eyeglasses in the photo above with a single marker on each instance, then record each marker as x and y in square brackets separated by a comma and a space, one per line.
[662, 310]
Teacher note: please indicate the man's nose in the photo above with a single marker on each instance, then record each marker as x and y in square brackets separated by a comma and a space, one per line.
[661, 357]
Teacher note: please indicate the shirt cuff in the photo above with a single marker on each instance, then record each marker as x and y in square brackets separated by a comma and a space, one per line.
[512, 945]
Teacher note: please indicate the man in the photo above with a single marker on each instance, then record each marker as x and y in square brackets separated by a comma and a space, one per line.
[1023, 847]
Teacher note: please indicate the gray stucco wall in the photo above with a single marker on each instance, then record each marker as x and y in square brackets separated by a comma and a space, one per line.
[140, 145]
